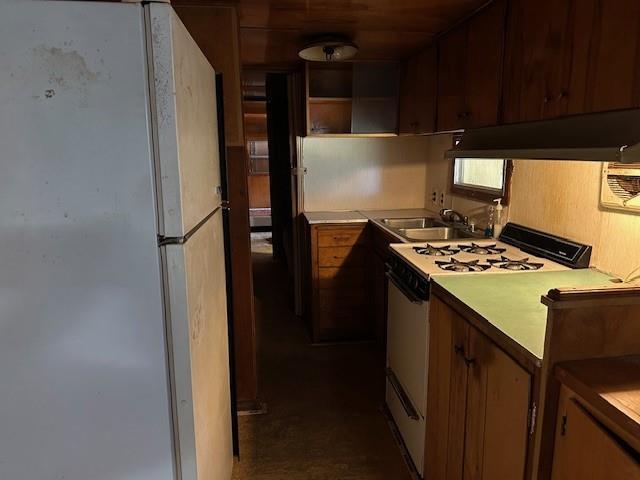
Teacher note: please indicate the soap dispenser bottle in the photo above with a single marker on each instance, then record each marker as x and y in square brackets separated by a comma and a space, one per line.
[497, 224]
[488, 232]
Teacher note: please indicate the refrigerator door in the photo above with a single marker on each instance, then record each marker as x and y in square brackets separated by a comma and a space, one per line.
[185, 126]
[83, 368]
[197, 308]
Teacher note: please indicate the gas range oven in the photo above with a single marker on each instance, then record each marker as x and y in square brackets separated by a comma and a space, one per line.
[518, 249]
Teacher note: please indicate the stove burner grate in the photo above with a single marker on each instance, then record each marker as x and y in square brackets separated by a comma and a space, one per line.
[518, 265]
[481, 249]
[454, 265]
[436, 251]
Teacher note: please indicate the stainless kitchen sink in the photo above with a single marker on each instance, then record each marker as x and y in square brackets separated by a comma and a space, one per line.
[411, 223]
[433, 233]
[421, 229]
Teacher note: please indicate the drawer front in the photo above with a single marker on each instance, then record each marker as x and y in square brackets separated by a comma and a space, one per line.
[341, 237]
[341, 278]
[353, 256]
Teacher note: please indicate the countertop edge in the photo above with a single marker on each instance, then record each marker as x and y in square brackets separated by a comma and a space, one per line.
[504, 341]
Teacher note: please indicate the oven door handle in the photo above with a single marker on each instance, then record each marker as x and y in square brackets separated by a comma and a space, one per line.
[406, 291]
[409, 409]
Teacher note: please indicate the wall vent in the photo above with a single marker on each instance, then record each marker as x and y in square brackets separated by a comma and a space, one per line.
[621, 186]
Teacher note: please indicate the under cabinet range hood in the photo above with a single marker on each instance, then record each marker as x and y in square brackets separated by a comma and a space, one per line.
[600, 137]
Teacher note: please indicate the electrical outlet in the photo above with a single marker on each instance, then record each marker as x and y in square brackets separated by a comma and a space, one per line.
[434, 197]
[442, 199]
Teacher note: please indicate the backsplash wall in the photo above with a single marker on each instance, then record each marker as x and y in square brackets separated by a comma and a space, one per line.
[438, 180]
[563, 198]
[364, 173]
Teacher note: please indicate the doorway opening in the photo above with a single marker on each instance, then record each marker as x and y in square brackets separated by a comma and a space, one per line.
[254, 104]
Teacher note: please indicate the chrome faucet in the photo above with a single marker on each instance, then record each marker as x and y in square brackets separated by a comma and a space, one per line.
[449, 215]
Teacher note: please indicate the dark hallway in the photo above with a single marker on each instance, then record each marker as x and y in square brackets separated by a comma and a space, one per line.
[324, 420]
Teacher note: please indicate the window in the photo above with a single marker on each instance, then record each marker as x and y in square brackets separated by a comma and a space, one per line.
[481, 178]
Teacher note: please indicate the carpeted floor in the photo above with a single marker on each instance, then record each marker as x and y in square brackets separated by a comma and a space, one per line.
[323, 420]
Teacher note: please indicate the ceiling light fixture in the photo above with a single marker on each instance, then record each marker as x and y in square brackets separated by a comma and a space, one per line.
[329, 49]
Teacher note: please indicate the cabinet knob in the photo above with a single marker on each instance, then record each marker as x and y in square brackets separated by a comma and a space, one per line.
[459, 349]
[563, 94]
[547, 99]
[469, 361]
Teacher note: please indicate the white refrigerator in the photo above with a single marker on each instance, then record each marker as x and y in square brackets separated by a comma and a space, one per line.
[114, 360]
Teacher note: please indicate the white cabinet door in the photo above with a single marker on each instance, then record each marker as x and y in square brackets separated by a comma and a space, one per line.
[185, 124]
[198, 313]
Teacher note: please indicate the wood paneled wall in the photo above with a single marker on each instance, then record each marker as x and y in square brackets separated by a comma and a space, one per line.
[242, 277]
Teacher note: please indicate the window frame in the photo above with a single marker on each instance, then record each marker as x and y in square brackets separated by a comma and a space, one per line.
[479, 193]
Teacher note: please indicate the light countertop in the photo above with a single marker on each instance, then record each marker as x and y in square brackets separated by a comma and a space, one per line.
[335, 217]
[361, 216]
[511, 302]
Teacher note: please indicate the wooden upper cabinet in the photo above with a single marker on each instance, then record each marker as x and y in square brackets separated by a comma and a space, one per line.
[418, 94]
[485, 53]
[567, 57]
[452, 78]
[537, 59]
[605, 70]
[470, 71]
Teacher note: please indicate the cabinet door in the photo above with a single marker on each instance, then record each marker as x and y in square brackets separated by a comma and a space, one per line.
[407, 116]
[605, 71]
[446, 392]
[419, 93]
[426, 98]
[585, 450]
[498, 395]
[537, 59]
[452, 79]
[375, 98]
[485, 45]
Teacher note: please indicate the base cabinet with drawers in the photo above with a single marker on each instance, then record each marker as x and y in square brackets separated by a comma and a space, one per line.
[478, 403]
[336, 298]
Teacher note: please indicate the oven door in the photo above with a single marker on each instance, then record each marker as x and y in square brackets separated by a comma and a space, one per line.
[407, 343]
[407, 351]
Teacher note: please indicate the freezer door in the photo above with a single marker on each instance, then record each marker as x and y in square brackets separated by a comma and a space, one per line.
[185, 124]
[197, 307]
[84, 388]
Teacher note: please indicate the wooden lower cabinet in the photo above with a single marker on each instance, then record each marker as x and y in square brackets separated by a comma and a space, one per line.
[478, 403]
[498, 397]
[586, 450]
[336, 305]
